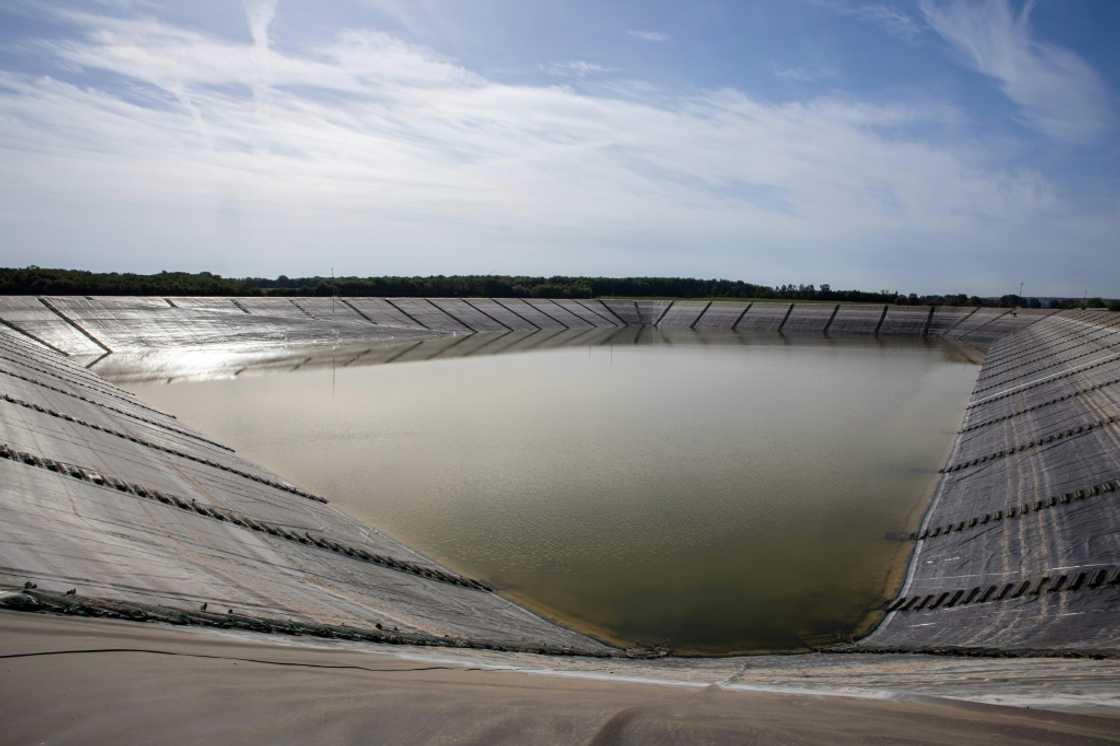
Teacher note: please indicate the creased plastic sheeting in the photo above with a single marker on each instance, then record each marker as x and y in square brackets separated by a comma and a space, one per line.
[684, 313]
[507, 316]
[27, 314]
[132, 324]
[722, 315]
[808, 318]
[569, 313]
[466, 313]
[1035, 497]
[764, 316]
[428, 315]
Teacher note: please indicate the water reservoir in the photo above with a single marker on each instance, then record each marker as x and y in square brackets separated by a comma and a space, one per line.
[714, 494]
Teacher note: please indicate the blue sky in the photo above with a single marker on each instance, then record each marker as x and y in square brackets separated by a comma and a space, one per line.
[935, 145]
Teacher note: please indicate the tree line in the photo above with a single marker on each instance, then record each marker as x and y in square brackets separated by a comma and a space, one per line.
[44, 281]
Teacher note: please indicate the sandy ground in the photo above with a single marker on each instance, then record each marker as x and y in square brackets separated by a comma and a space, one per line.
[81, 681]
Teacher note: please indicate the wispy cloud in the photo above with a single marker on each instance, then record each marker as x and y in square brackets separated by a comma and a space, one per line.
[893, 20]
[259, 14]
[805, 74]
[402, 160]
[1058, 93]
[651, 36]
[577, 69]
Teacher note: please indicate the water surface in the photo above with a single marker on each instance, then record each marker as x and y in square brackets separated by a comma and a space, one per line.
[712, 497]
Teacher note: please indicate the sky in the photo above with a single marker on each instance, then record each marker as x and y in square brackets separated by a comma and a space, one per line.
[925, 146]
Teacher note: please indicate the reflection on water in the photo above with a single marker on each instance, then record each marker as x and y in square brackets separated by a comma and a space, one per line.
[241, 359]
[715, 493]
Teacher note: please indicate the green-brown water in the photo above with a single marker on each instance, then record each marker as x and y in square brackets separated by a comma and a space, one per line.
[715, 497]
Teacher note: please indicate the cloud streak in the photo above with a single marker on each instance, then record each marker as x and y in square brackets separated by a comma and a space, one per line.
[804, 74]
[577, 69]
[894, 21]
[656, 37]
[1057, 92]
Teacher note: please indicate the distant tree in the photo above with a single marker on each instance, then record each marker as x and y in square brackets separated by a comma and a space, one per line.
[36, 280]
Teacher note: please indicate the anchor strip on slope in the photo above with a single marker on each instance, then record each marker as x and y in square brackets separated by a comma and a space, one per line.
[111, 408]
[1048, 380]
[1018, 511]
[156, 446]
[992, 370]
[95, 389]
[1044, 440]
[226, 515]
[31, 352]
[1040, 405]
[1030, 345]
[1102, 348]
[1104, 578]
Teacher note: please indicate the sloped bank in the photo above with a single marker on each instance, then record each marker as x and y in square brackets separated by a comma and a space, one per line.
[1019, 548]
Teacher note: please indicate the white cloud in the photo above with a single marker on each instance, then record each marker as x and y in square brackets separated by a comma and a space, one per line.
[391, 158]
[577, 69]
[893, 20]
[805, 74]
[260, 14]
[1057, 92]
[651, 36]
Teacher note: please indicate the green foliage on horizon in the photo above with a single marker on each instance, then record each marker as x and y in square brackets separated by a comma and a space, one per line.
[42, 281]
